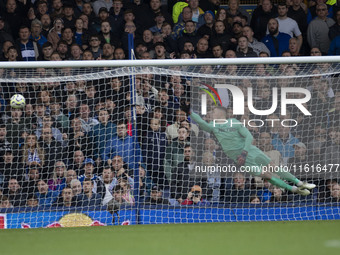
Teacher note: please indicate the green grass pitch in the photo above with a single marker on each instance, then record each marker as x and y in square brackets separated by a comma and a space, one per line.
[300, 237]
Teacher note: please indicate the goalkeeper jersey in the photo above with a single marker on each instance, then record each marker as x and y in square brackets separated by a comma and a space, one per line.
[232, 136]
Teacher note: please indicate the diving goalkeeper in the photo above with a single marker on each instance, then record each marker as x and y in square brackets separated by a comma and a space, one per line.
[236, 142]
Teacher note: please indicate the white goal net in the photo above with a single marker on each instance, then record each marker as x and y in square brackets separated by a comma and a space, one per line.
[140, 144]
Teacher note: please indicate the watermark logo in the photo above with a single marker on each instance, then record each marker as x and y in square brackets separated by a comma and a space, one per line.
[204, 98]
[238, 100]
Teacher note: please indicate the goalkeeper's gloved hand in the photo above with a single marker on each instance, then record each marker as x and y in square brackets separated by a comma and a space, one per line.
[241, 159]
[185, 108]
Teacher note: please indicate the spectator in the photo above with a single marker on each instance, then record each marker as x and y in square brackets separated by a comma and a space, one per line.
[5, 202]
[288, 25]
[105, 36]
[317, 33]
[88, 198]
[58, 176]
[195, 197]
[29, 50]
[202, 49]
[189, 34]
[98, 4]
[109, 182]
[153, 148]
[260, 18]
[334, 30]
[15, 193]
[254, 200]
[36, 35]
[159, 19]
[102, 133]
[119, 54]
[239, 192]
[182, 176]
[66, 200]
[32, 202]
[234, 9]
[243, 50]
[257, 46]
[53, 150]
[45, 196]
[117, 21]
[222, 36]
[265, 144]
[10, 167]
[207, 27]
[180, 26]
[108, 51]
[81, 35]
[76, 187]
[124, 146]
[62, 49]
[278, 195]
[156, 197]
[276, 41]
[89, 165]
[174, 151]
[283, 142]
[334, 194]
[47, 50]
[32, 152]
[217, 51]
[68, 18]
[54, 34]
[46, 24]
[15, 14]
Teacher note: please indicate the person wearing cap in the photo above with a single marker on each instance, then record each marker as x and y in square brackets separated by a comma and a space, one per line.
[208, 27]
[195, 197]
[156, 197]
[98, 4]
[89, 167]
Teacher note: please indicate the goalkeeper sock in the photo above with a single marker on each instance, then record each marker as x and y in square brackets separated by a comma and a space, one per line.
[288, 176]
[280, 183]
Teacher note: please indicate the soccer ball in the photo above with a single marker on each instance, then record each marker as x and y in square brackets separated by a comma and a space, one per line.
[18, 101]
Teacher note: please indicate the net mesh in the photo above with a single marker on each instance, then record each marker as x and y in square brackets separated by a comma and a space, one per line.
[103, 146]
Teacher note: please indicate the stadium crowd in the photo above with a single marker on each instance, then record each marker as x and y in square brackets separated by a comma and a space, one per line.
[74, 143]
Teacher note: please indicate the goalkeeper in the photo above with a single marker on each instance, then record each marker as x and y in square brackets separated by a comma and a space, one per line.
[236, 142]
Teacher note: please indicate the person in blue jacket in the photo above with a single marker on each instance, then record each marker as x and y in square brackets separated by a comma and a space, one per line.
[125, 146]
[276, 41]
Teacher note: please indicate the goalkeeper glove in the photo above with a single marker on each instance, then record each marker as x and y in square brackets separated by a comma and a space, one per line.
[185, 108]
[241, 159]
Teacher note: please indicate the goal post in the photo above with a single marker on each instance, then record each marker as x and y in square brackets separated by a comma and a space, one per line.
[140, 142]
